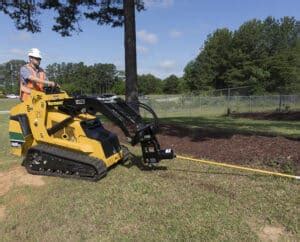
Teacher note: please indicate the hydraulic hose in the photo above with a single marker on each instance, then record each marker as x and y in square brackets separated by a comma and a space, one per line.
[150, 110]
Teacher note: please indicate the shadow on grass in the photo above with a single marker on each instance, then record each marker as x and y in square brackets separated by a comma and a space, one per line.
[210, 172]
[202, 128]
[277, 115]
[138, 162]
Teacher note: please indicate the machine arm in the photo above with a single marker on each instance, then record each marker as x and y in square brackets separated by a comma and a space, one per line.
[125, 117]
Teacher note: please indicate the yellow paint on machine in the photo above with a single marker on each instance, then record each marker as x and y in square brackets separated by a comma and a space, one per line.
[42, 114]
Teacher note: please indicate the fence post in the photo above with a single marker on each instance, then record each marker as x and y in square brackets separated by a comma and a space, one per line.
[200, 104]
[280, 102]
[228, 102]
[190, 108]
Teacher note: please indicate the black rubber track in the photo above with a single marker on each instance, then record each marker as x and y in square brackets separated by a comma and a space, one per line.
[49, 160]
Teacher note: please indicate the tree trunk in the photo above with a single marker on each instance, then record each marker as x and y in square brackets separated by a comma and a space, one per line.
[131, 92]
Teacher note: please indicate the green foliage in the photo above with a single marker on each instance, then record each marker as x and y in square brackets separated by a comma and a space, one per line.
[264, 55]
[182, 86]
[9, 76]
[77, 78]
[119, 87]
[149, 84]
[171, 85]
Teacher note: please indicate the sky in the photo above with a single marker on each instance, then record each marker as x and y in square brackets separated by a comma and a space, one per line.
[170, 33]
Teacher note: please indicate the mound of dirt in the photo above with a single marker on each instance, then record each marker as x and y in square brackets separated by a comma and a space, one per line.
[287, 116]
[277, 152]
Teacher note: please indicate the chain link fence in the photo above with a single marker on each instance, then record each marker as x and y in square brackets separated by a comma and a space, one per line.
[191, 106]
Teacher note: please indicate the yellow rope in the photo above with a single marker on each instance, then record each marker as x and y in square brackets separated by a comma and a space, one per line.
[237, 167]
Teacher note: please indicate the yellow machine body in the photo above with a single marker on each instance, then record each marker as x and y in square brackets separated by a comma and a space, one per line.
[42, 115]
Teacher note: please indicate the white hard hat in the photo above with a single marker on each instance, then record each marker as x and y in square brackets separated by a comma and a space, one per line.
[34, 52]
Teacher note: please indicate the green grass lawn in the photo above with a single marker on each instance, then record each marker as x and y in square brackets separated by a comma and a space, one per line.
[5, 158]
[181, 201]
[240, 125]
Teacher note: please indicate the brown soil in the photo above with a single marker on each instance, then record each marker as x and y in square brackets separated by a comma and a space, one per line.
[288, 116]
[17, 176]
[270, 233]
[277, 152]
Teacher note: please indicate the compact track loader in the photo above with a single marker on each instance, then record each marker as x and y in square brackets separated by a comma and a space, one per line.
[59, 135]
